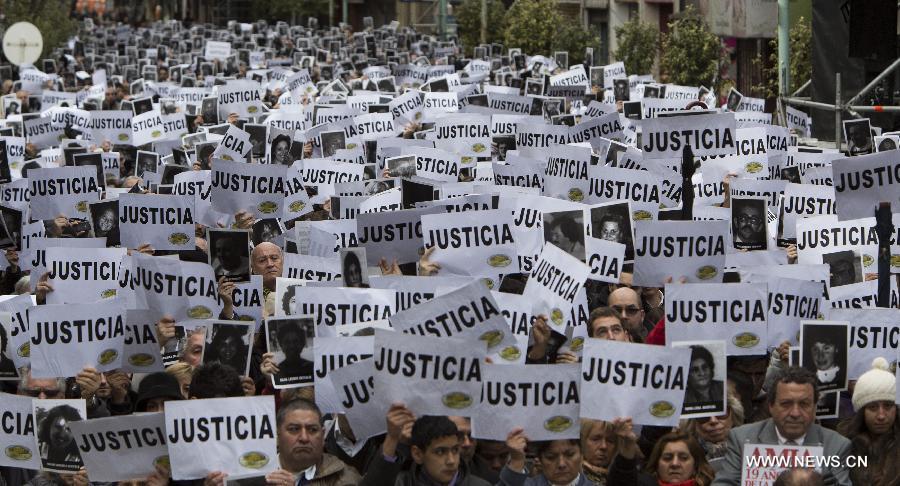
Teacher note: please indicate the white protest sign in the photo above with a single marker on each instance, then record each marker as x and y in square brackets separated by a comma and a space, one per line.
[63, 190]
[140, 353]
[593, 130]
[574, 76]
[39, 132]
[799, 121]
[476, 243]
[332, 353]
[432, 376]
[300, 84]
[803, 201]
[694, 250]
[542, 399]
[147, 128]
[612, 72]
[66, 338]
[708, 134]
[122, 448]
[645, 382]
[735, 313]
[819, 235]
[554, 284]
[231, 435]
[355, 389]
[468, 135]
[873, 333]
[255, 188]
[538, 135]
[216, 50]
[187, 291]
[235, 145]
[332, 307]
[165, 222]
[373, 126]
[790, 301]
[392, 235]
[768, 460]
[241, 96]
[566, 173]
[82, 275]
[638, 186]
[112, 125]
[18, 437]
[605, 258]
[860, 183]
[407, 108]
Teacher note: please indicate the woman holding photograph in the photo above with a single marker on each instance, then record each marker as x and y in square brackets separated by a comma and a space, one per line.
[874, 431]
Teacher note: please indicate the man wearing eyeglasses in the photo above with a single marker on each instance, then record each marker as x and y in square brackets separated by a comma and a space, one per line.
[627, 303]
[43, 388]
[748, 222]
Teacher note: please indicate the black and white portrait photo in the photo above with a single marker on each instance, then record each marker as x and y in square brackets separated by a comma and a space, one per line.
[204, 154]
[141, 105]
[5, 174]
[705, 393]
[332, 142]
[229, 343]
[791, 174]
[534, 87]
[105, 221]
[565, 229]
[597, 76]
[858, 134]
[883, 143]
[7, 366]
[404, 166]
[257, 139]
[280, 150]
[267, 230]
[621, 89]
[844, 267]
[209, 110]
[146, 162]
[612, 222]
[229, 254]
[291, 340]
[56, 443]
[651, 91]
[748, 223]
[503, 144]
[12, 225]
[633, 110]
[354, 271]
[823, 350]
[733, 101]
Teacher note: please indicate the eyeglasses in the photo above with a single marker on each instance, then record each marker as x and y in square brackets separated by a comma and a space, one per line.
[753, 220]
[627, 311]
[36, 392]
[720, 418]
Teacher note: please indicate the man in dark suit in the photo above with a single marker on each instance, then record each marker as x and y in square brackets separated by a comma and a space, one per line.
[792, 404]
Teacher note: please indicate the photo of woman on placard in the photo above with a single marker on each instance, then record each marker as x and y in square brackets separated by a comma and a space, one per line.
[59, 451]
[229, 346]
[565, 229]
[704, 393]
[823, 350]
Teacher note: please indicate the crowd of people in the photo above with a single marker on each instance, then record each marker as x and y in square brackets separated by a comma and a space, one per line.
[770, 398]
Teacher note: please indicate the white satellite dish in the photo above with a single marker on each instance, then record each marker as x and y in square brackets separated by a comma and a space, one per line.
[22, 43]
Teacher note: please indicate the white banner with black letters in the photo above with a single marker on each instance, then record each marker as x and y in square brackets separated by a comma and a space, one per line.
[122, 448]
[165, 222]
[694, 250]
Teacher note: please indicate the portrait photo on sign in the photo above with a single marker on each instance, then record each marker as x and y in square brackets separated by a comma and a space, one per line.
[184, 343]
[612, 222]
[733, 101]
[354, 271]
[56, 443]
[844, 267]
[229, 343]
[883, 143]
[566, 230]
[105, 221]
[332, 142]
[823, 350]
[146, 162]
[280, 149]
[267, 230]
[12, 226]
[621, 89]
[705, 395]
[404, 166]
[858, 134]
[791, 174]
[748, 223]
[229, 254]
[7, 366]
[291, 342]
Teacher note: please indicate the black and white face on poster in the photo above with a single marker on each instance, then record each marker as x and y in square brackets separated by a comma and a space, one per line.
[56, 443]
[823, 350]
[748, 223]
[291, 340]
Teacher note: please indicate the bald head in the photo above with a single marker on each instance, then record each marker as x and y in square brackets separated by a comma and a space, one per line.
[628, 303]
[266, 260]
[799, 477]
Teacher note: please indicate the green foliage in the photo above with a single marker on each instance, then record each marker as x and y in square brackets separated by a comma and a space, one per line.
[284, 9]
[468, 19]
[51, 17]
[572, 38]
[692, 53]
[532, 25]
[637, 46]
[800, 38]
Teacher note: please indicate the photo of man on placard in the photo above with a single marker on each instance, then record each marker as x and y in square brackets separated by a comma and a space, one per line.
[748, 223]
[858, 134]
[734, 100]
[229, 254]
[845, 267]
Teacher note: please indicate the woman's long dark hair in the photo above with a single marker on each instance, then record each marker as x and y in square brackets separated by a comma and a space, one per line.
[703, 472]
[883, 452]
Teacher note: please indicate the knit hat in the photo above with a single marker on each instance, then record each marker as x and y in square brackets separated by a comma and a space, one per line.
[157, 385]
[875, 385]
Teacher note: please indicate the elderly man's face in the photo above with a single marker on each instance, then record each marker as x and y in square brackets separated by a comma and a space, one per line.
[824, 355]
